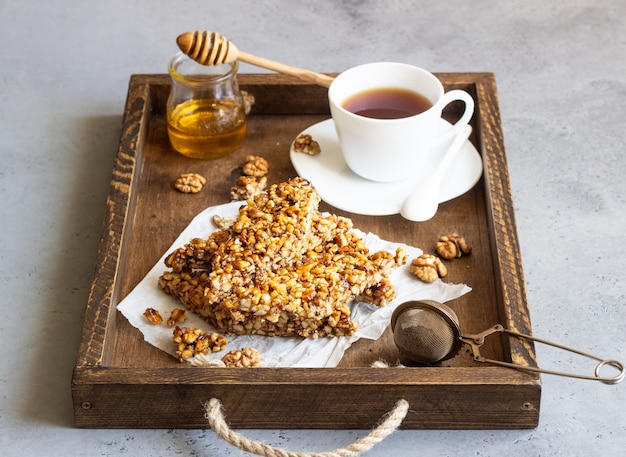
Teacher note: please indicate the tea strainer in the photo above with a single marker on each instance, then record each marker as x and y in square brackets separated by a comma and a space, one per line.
[427, 332]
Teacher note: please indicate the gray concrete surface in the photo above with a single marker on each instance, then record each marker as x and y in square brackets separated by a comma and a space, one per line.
[561, 72]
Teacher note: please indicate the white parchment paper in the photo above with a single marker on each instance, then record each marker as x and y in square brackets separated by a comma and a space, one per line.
[279, 351]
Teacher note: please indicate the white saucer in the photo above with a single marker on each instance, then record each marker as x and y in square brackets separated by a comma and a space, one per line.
[342, 188]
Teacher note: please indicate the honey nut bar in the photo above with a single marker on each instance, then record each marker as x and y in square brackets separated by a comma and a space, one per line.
[281, 269]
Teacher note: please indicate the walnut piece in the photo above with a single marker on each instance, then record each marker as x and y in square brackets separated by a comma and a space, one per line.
[247, 187]
[305, 143]
[242, 358]
[452, 246]
[253, 181]
[190, 183]
[248, 101]
[177, 316]
[153, 316]
[428, 268]
[255, 166]
[191, 341]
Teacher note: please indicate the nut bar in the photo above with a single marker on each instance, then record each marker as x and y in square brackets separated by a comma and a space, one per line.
[281, 269]
[274, 226]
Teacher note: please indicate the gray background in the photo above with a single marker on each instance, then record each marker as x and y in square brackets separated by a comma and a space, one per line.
[561, 73]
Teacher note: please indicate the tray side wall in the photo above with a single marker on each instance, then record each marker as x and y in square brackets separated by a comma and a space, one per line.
[505, 246]
[98, 320]
[273, 398]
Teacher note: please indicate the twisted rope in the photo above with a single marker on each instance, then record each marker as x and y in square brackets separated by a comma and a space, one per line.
[390, 424]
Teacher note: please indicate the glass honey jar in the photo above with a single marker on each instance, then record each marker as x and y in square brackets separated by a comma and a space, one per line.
[205, 110]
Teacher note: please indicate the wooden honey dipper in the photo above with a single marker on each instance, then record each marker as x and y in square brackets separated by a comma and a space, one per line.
[211, 48]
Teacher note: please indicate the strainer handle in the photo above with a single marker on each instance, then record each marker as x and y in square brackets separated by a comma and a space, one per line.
[475, 341]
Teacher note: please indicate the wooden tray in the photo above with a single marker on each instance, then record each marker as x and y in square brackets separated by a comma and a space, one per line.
[120, 381]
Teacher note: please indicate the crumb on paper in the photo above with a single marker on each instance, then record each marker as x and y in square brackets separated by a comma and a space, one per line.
[191, 341]
[247, 357]
[153, 316]
[204, 361]
[222, 222]
[177, 316]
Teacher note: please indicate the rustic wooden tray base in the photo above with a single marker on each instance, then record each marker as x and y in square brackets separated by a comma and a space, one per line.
[120, 381]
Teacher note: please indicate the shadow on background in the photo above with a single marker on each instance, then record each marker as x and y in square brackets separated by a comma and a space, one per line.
[94, 146]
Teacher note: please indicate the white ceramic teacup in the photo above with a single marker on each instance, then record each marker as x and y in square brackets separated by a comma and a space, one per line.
[387, 150]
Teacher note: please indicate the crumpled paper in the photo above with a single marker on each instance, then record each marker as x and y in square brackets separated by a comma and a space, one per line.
[279, 351]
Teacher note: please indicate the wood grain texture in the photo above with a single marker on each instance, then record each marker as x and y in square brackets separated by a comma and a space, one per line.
[121, 381]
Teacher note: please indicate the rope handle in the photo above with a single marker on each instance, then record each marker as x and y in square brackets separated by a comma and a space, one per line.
[389, 424]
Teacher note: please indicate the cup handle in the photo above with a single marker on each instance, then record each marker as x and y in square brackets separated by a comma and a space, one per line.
[452, 96]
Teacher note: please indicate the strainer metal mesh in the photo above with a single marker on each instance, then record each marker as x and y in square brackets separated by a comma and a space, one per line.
[425, 332]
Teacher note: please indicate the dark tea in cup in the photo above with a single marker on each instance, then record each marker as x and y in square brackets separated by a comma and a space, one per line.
[387, 103]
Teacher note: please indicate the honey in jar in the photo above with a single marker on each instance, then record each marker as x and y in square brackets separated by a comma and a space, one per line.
[205, 111]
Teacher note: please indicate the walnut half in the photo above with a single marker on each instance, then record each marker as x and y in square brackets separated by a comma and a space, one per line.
[428, 268]
[452, 246]
[255, 166]
[305, 143]
[190, 183]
